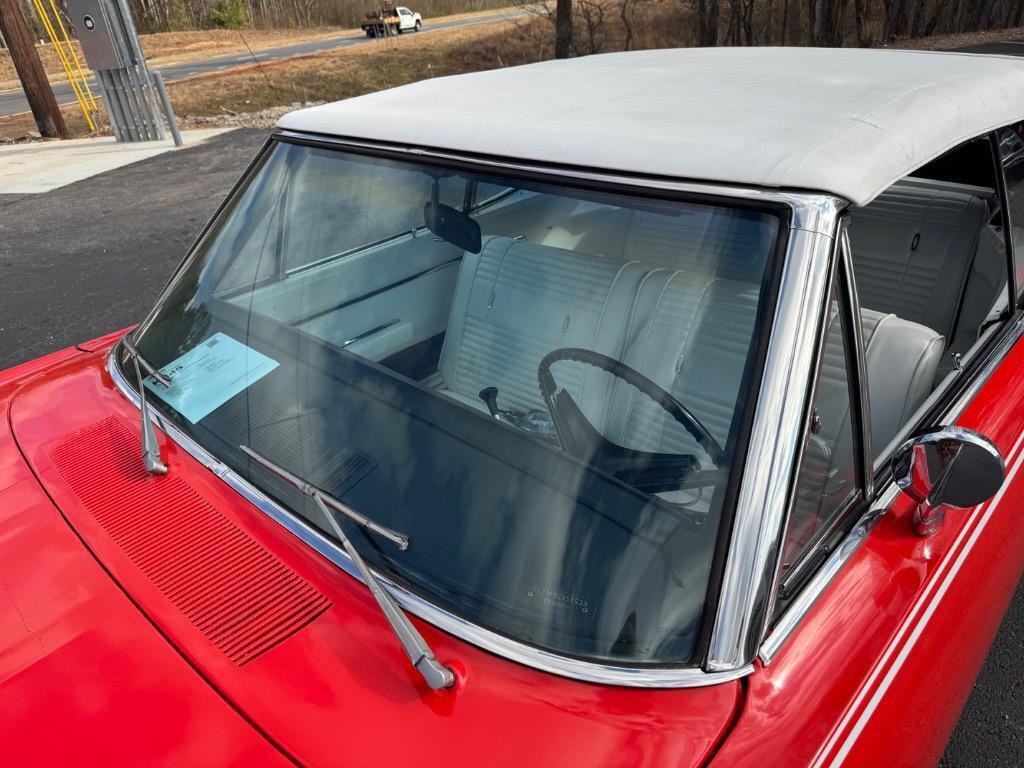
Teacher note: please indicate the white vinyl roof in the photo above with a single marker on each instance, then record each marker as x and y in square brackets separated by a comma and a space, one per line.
[845, 121]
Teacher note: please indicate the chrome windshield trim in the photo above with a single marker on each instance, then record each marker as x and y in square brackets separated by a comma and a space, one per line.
[545, 661]
[886, 494]
[812, 211]
[774, 448]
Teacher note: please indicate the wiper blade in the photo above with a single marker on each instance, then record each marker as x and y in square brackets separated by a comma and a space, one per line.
[150, 448]
[400, 540]
[422, 658]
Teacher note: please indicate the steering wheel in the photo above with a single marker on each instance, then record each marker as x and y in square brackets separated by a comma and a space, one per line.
[648, 471]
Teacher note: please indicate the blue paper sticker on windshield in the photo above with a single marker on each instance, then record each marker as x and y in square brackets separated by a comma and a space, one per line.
[209, 375]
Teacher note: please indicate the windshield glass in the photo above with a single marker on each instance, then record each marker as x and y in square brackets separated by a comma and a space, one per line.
[542, 386]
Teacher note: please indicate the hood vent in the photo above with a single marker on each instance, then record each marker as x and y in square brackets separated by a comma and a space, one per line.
[239, 595]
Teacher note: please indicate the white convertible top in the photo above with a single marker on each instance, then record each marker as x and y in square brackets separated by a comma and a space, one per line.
[845, 121]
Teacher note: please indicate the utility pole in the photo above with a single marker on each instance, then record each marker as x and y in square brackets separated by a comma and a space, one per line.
[22, 48]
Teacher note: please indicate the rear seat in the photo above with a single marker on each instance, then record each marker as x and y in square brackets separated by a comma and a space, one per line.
[913, 247]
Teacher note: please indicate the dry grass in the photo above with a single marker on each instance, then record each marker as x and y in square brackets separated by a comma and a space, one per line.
[355, 71]
[334, 75]
[164, 48]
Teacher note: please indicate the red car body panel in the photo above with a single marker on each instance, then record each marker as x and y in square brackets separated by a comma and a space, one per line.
[878, 672]
[340, 690]
[83, 675]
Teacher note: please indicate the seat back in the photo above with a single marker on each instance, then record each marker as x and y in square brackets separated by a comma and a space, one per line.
[515, 302]
[690, 333]
[913, 247]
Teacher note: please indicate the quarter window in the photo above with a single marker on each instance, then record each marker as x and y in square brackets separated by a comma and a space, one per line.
[827, 480]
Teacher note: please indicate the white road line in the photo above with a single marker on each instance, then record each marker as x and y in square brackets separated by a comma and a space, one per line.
[912, 627]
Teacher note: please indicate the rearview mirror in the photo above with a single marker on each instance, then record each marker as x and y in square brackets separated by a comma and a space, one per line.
[454, 226]
[947, 467]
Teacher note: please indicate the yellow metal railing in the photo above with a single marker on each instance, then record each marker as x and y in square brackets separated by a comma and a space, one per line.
[76, 75]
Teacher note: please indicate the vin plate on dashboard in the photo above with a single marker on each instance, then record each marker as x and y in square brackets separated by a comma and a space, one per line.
[209, 375]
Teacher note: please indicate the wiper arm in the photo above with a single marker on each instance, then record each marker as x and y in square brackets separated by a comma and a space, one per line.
[400, 540]
[150, 448]
[436, 675]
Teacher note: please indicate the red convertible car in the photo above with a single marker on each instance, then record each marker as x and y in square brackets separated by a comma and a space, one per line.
[653, 409]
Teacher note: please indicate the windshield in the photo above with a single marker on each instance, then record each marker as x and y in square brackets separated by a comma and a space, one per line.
[542, 386]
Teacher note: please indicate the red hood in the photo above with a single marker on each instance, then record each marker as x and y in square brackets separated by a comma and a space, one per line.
[287, 639]
[83, 675]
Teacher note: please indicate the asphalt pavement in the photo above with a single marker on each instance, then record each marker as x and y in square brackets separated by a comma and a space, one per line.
[91, 257]
[1003, 48]
[14, 103]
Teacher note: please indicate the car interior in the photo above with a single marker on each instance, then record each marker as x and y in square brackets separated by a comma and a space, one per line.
[672, 294]
[553, 273]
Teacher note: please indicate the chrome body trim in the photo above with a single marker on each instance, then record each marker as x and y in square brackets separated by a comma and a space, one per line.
[586, 671]
[775, 442]
[858, 372]
[886, 494]
[774, 445]
[808, 596]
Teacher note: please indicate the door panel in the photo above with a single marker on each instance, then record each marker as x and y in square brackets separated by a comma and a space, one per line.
[879, 670]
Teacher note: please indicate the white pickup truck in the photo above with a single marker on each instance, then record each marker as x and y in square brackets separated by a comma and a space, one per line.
[391, 20]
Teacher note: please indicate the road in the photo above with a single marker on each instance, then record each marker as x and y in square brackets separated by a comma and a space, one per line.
[1004, 48]
[14, 103]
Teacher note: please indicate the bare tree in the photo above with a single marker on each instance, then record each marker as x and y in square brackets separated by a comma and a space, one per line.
[860, 21]
[563, 29]
[895, 18]
[589, 26]
[707, 22]
[626, 16]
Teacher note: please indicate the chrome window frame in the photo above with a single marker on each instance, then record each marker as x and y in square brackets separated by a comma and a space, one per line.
[762, 501]
[958, 389]
[803, 567]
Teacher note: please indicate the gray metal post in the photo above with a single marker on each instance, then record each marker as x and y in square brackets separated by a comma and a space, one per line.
[142, 69]
[111, 103]
[172, 121]
[110, 43]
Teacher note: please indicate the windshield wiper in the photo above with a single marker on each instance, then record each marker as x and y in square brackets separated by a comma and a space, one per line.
[436, 675]
[150, 448]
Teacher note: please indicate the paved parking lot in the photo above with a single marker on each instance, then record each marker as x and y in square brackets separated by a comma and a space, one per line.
[91, 257]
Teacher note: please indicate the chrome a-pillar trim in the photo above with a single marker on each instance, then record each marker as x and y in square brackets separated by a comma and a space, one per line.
[795, 613]
[545, 661]
[774, 446]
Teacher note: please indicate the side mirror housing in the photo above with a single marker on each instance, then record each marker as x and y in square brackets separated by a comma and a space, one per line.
[948, 467]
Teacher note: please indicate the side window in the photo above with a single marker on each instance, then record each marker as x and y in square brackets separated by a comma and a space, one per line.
[1011, 152]
[827, 482]
[930, 265]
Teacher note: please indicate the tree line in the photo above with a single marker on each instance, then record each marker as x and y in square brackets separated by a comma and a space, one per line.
[588, 26]
[180, 15]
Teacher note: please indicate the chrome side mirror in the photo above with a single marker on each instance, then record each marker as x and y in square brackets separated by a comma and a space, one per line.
[947, 467]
